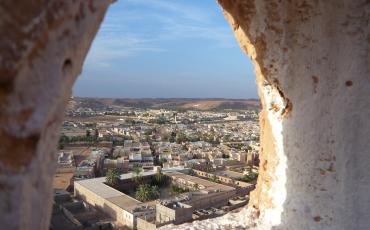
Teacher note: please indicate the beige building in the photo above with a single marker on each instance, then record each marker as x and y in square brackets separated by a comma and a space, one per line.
[121, 207]
[205, 193]
[173, 212]
[130, 212]
[226, 178]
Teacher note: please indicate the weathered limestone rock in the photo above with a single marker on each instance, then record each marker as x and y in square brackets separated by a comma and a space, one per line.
[42, 48]
[312, 67]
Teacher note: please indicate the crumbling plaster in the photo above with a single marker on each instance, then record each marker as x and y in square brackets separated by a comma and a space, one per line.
[311, 61]
[42, 48]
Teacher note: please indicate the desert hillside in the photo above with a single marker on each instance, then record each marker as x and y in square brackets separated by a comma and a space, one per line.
[169, 103]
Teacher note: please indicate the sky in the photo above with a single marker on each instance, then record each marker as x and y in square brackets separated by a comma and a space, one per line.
[166, 49]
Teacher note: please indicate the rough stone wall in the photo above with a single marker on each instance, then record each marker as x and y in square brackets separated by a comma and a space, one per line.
[311, 60]
[312, 65]
[42, 48]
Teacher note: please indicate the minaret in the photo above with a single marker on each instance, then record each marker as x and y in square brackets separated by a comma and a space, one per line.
[175, 115]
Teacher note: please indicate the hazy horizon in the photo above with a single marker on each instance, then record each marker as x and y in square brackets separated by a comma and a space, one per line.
[166, 49]
[167, 98]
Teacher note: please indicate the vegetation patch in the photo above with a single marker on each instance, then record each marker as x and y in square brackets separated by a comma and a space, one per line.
[158, 186]
[249, 178]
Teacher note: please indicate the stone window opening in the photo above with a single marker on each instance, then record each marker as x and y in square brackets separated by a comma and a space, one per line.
[312, 69]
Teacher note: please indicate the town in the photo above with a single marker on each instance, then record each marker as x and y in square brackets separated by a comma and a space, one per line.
[142, 168]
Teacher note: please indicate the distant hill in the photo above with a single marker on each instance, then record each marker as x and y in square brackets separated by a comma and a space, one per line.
[165, 103]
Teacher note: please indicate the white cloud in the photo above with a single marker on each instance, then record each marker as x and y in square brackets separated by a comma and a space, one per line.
[107, 48]
[174, 7]
[126, 31]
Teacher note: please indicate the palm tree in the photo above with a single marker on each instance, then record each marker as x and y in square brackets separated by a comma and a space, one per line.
[214, 178]
[145, 192]
[195, 186]
[155, 193]
[175, 190]
[159, 177]
[172, 190]
[137, 177]
[113, 176]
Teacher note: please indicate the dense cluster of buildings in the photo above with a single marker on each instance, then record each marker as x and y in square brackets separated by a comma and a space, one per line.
[209, 155]
[127, 211]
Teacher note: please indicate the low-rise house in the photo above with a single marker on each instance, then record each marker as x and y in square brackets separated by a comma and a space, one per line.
[65, 159]
[239, 156]
[173, 212]
[89, 167]
[119, 163]
[123, 208]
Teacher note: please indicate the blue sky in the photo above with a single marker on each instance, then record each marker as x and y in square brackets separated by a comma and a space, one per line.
[166, 48]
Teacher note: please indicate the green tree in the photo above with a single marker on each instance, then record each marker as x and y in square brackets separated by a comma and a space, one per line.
[250, 178]
[63, 140]
[214, 178]
[136, 171]
[155, 193]
[145, 192]
[88, 133]
[175, 190]
[195, 186]
[159, 177]
[191, 171]
[113, 176]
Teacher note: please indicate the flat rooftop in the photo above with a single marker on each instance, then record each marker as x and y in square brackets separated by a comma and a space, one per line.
[125, 202]
[98, 187]
[208, 185]
[229, 173]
